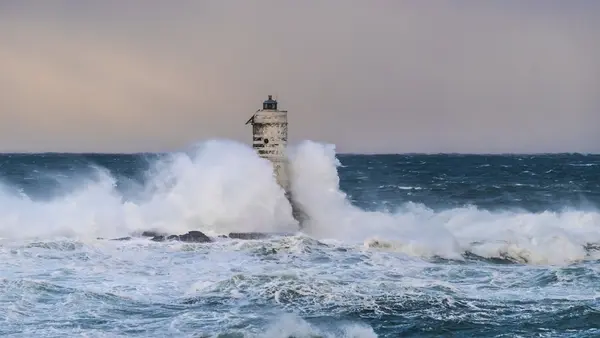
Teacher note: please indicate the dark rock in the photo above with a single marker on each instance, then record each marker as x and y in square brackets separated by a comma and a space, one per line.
[195, 237]
[151, 234]
[592, 247]
[190, 237]
[248, 235]
[258, 235]
[121, 239]
[116, 239]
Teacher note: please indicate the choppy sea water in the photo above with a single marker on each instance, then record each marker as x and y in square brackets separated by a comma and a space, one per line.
[396, 245]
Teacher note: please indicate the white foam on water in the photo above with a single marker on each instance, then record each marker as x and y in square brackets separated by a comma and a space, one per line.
[290, 325]
[537, 238]
[177, 289]
[221, 186]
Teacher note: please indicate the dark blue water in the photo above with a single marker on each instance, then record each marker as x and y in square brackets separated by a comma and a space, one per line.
[422, 246]
[531, 182]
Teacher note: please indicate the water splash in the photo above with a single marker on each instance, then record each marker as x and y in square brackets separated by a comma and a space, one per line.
[223, 186]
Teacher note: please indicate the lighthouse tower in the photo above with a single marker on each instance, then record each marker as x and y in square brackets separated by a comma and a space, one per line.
[269, 139]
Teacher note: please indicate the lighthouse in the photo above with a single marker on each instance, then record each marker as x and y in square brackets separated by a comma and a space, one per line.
[269, 140]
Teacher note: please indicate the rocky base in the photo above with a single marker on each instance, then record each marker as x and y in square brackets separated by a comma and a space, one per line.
[197, 236]
[248, 235]
[190, 237]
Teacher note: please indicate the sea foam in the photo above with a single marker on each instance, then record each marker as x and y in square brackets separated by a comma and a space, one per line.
[221, 186]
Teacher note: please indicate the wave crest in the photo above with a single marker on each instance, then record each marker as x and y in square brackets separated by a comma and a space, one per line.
[223, 186]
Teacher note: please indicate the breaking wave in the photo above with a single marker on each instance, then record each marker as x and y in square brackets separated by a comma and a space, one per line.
[223, 186]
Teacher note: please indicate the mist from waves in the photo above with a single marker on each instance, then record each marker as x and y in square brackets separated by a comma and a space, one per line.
[222, 186]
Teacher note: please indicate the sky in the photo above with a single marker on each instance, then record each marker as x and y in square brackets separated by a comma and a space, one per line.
[380, 76]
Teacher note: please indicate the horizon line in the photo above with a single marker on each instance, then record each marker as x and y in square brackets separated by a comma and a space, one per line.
[456, 153]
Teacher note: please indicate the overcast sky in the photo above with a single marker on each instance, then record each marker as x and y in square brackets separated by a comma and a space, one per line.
[369, 76]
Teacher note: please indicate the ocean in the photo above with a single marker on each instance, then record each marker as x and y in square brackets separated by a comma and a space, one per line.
[395, 245]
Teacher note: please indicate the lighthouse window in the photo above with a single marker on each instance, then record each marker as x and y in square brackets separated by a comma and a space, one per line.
[266, 141]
